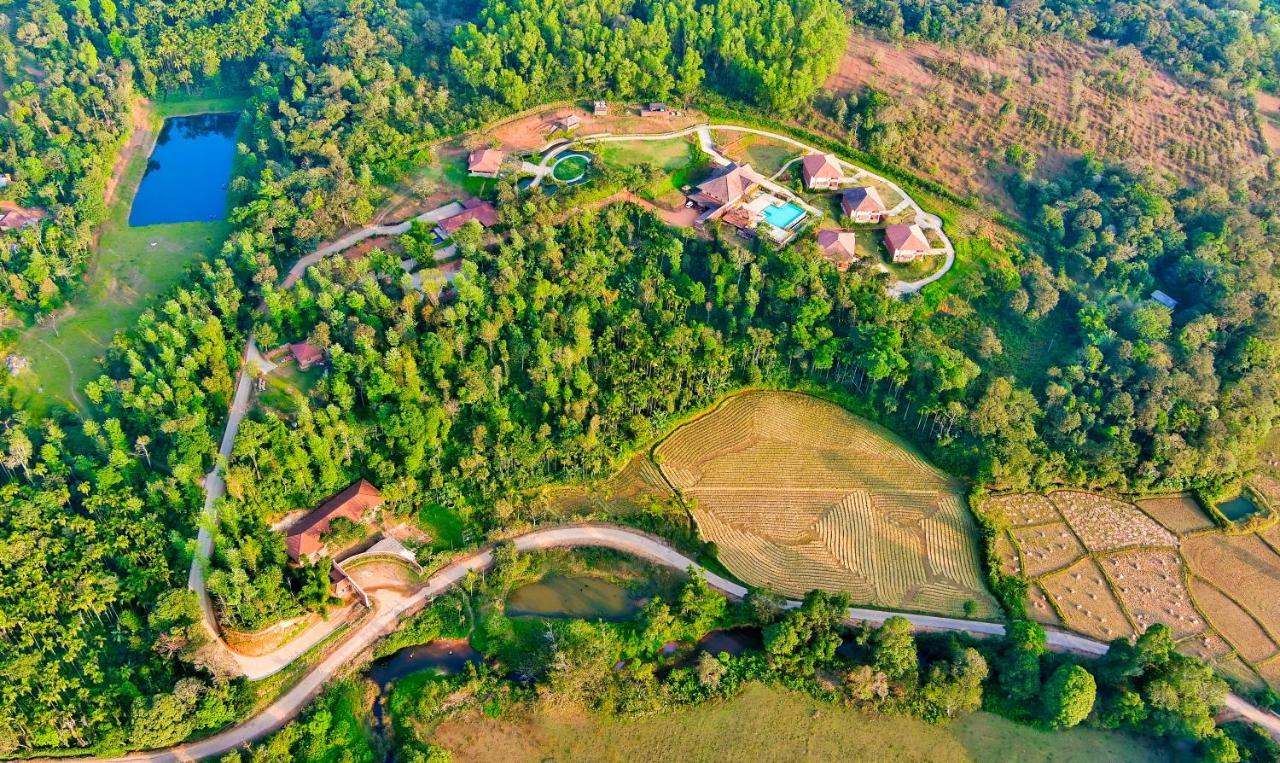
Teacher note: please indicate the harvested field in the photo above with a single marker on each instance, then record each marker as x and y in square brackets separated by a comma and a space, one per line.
[1022, 509]
[1233, 622]
[1205, 646]
[1244, 568]
[627, 492]
[1038, 606]
[1046, 548]
[1179, 514]
[1108, 525]
[1149, 585]
[1238, 672]
[958, 111]
[1008, 553]
[1084, 597]
[797, 494]
[1270, 671]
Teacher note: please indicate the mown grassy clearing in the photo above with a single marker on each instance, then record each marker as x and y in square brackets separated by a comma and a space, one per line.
[766, 155]
[678, 163]
[798, 494]
[766, 723]
[131, 267]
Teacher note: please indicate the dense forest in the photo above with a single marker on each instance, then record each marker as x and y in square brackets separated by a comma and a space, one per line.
[569, 341]
[1228, 43]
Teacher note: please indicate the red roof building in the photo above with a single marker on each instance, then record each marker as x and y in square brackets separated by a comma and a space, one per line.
[306, 354]
[863, 205]
[838, 247]
[472, 209]
[304, 539]
[726, 187]
[821, 172]
[905, 242]
[485, 162]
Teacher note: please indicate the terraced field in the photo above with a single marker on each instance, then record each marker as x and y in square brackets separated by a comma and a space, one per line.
[1107, 568]
[798, 494]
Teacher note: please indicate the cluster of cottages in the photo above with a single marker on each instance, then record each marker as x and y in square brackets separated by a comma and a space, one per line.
[736, 195]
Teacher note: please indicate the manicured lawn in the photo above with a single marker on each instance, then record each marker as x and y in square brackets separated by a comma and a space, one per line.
[765, 723]
[922, 267]
[570, 168]
[666, 155]
[454, 172]
[284, 382]
[130, 268]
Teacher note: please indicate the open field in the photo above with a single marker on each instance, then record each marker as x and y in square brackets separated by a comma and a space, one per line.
[765, 723]
[797, 494]
[961, 110]
[130, 267]
[1107, 566]
[677, 160]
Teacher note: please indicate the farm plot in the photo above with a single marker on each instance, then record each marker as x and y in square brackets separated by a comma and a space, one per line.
[797, 494]
[1230, 619]
[1149, 584]
[1242, 567]
[1083, 596]
[1179, 514]
[1108, 525]
[1046, 548]
[1021, 509]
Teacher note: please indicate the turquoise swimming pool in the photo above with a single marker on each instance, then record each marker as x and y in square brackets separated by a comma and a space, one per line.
[783, 215]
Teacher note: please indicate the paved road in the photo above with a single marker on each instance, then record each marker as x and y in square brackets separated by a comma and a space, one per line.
[390, 606]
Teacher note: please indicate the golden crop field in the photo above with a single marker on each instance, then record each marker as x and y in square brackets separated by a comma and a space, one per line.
[798, 494]
[1104, 566]
[1180, 514]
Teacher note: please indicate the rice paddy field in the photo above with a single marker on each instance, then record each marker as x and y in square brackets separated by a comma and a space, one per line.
[797, 494]
[1106, 567]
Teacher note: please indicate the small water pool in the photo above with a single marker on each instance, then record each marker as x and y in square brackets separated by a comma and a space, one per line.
[572, 596]
[783, 215]
[1237, 508]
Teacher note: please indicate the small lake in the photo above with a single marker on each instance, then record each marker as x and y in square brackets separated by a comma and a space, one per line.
[571, 596]
[188, 172]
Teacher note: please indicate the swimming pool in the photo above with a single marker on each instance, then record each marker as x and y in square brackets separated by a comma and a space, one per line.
[783, 215]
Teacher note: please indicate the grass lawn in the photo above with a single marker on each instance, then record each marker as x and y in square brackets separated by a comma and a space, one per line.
[765, 723]
[446, 528]
[130, 268]
[284, 382]
[454, 172]
[570, 168]
[921, 267]
[677, 159]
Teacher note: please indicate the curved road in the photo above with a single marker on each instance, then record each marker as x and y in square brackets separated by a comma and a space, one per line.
[391, 606]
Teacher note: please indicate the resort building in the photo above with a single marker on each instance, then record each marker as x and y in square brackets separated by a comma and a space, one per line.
[472, 209]
[306, 354]
[485, 163]
[863, 205]
[821, 172]
[837, 246]
[305, 538]
[725, 188]
[905, 242]
[569, 123]
[600, 108]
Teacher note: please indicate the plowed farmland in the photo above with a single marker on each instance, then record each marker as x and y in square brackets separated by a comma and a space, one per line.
[798, 494]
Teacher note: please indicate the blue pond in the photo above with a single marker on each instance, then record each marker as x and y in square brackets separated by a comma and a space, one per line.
[188, 172]
[783, 215]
